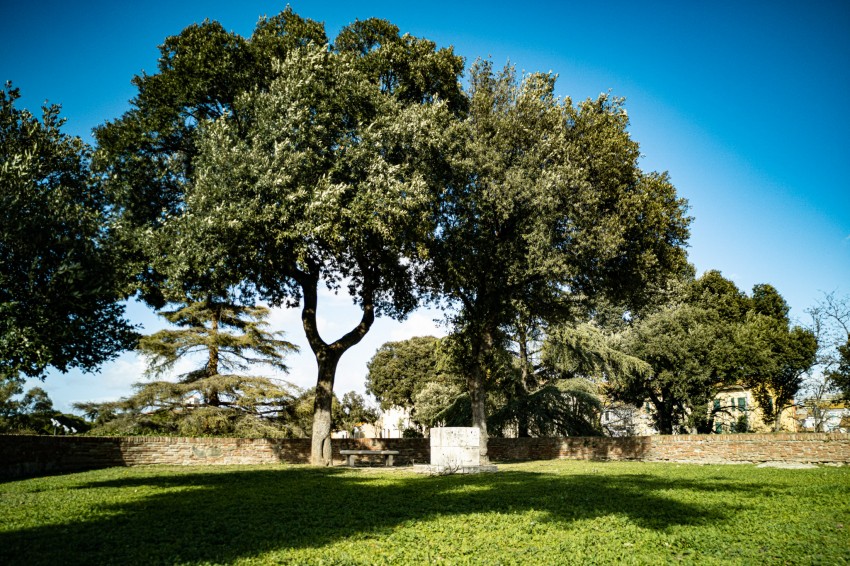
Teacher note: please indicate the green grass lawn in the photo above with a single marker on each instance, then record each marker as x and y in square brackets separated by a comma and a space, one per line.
[554, 512]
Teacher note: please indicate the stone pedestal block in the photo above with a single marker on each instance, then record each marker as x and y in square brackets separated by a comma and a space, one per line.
[455, 450]
[454, 446]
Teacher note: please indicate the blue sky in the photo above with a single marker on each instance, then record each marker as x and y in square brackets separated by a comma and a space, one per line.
[742, 102]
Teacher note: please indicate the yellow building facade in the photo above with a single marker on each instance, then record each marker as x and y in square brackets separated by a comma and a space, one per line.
[735, 410]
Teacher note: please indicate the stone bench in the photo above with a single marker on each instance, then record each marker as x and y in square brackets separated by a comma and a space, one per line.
[350, 455]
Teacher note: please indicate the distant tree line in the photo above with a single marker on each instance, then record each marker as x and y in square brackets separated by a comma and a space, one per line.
[674, 358]
[258, 169]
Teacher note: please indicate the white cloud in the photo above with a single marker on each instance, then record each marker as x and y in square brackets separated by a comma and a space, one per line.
[420, 323]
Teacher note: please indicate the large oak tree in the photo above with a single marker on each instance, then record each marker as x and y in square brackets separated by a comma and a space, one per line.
[278, 162]
[329, 184]
[548, 210]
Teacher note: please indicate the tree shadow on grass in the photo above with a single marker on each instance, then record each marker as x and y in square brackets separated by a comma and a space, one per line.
[223, 516]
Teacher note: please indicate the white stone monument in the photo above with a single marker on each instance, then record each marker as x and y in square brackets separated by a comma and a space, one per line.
[455, 450]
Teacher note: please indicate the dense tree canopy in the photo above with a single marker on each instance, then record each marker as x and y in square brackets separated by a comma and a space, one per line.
[418, 374]
[710, 336]
[263, 167]
[775, 356]
[58, 291]
[277, 162]
[399, 371]
[547, 212]
[147, 157]
[683, 344]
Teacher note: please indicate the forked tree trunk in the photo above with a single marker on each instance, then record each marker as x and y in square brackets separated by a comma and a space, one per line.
[327, 358]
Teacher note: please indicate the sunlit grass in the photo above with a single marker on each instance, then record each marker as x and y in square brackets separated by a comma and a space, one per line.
[542, 512]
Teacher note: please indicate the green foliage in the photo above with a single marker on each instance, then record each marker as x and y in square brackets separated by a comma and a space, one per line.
[411, 433]
[562, 408]
[585, 350]
[421, 374]
[201, 329]
[841, 375]
[417, 374]
[147, 157]
[409, 68]
[33, 412]
[401, 372]
[688, 346]
[277, 162]
[210, 399]
[776, 359]
[715, 292]
[58, 288]
[709, 336]
[548, 213]
[767, 301]
[352, 411]
[30, 413]
[685, 347]
[345, 201]
[527, 513]
[560, 395]
[436, 403]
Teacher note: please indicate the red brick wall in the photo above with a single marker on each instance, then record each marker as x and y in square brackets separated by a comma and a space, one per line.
[35, 455]
[806, 447]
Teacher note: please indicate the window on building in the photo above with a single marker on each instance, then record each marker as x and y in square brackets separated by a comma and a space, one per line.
[718, 428]
[717, 404]
[742, 403]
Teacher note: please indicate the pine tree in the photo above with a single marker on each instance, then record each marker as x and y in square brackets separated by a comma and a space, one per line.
[215, 397]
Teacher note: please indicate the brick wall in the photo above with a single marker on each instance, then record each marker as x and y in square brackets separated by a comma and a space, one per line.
[35, 455]
[806, 447]
[573, 447]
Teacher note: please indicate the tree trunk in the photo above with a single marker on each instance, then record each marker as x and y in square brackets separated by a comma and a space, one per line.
[777, 419]
[663, 413]
[327, 358]
[211, 394]
[475, 382]
[478, 398]
[525, 376]
[320, 447]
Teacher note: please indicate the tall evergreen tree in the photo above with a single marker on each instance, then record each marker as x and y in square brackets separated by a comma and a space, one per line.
[212, 398]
